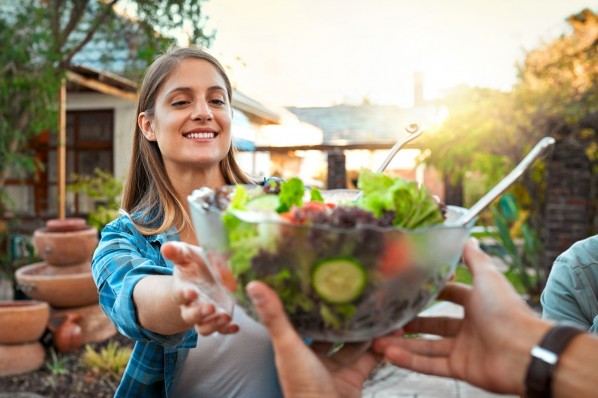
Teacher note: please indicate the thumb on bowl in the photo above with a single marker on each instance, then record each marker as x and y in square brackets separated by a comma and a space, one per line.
[271, 312]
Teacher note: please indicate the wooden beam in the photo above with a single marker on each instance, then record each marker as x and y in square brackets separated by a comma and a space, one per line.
[99, 86]
[332, 147]
[61, 150]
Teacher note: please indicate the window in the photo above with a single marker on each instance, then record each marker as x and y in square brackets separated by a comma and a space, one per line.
[89, 137]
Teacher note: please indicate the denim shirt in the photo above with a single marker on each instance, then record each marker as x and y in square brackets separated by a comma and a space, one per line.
[571, 292]
[123, 257]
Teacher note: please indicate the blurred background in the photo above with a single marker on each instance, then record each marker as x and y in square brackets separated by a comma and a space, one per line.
[322, 90]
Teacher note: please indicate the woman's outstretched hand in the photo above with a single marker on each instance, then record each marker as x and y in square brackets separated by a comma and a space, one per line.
[188, 267]
[302, 371]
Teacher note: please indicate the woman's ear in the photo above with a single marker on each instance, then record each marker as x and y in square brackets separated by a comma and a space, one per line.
[145, 123]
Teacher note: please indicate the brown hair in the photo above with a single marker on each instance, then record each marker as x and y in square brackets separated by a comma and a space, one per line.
[148, 195]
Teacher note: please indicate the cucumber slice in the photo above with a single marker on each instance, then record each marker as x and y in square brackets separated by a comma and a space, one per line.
[264, 202]
[339, 280]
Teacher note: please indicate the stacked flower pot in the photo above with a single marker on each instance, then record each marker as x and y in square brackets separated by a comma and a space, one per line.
[22, 323]
[65, 282]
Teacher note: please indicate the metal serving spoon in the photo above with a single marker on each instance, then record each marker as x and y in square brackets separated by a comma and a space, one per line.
[413, 132]
[506, 182]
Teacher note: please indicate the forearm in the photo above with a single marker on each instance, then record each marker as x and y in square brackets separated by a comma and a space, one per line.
[575, 374]
[157, 309]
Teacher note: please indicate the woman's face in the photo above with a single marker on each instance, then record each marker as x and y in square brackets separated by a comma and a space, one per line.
[192, 118]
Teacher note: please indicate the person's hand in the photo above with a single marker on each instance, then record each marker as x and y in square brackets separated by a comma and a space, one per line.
[301, 371]
[188, 266]
[485, 347]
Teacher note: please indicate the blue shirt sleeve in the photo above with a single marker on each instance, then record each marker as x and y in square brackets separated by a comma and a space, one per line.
[571, 292]
[124, 257]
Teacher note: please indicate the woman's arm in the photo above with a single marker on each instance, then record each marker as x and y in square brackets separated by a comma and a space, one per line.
[139, 292]
[172, 304]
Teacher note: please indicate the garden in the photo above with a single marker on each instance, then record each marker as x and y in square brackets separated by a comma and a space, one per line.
[485, 134]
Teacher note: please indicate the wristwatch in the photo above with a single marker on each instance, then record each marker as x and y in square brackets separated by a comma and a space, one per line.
[545, 358]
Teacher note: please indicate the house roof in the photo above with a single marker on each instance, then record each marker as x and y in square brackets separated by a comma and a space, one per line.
[84, 78]
[364, 123]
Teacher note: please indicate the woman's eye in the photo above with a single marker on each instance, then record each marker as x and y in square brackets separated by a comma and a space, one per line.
[217, 102]
[180, 103]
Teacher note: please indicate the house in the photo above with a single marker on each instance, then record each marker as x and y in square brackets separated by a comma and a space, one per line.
[360, 137]
[100, 119]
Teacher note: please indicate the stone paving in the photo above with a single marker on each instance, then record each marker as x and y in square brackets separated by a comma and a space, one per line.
[390, 381]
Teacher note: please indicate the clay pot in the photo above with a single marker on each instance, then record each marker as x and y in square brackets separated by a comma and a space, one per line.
[21, 358]
[67, 289]
[66, 224]
[23, 321]
[66, 332]
[61, 246]
[95, 325]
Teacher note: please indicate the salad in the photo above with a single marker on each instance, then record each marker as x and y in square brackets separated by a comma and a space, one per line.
[338, 266]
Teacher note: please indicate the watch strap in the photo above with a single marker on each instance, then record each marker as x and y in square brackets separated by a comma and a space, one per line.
[545, 356]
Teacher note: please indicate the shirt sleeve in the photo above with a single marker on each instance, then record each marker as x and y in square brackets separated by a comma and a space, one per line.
[120, 261]
[566, 295]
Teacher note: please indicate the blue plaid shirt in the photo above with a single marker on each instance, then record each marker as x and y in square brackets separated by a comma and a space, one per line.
[124, 256]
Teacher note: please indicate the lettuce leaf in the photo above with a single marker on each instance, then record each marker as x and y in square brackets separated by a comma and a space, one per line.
[291, 194]
[413, 205]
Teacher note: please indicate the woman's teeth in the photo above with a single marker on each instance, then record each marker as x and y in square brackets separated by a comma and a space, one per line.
[200, 135]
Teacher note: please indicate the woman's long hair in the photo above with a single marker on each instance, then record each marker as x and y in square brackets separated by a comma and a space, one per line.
[148, 196]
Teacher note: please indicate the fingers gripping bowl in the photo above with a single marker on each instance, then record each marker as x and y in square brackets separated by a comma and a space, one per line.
[343, 273]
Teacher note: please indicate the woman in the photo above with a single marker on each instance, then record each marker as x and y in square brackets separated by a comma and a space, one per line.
[182, 141]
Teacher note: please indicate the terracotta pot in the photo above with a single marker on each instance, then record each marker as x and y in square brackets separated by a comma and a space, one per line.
[59, 290]
[21, 358]
[64, 248]
[23, 321]
[66, 224]
[95, 325]
[66, 332]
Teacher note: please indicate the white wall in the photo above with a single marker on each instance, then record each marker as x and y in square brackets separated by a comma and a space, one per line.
[124, 123]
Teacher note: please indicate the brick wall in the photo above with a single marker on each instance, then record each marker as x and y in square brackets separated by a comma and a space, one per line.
[570, 187]
[337, 173]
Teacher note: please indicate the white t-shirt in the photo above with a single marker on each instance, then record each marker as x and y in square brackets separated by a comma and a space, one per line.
[235, 365]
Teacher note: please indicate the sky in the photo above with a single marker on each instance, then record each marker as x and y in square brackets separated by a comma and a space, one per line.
[330, 52]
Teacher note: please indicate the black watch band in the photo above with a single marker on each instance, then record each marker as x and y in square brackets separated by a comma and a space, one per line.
[545, 357]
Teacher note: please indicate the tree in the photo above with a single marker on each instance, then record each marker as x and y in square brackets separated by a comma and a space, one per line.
[474, 139]
[487, 132]
[48, 36]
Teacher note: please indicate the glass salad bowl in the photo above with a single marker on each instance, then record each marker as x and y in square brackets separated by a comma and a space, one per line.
[337, 284]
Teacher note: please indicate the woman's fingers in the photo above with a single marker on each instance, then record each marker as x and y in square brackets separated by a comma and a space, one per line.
[188, 259]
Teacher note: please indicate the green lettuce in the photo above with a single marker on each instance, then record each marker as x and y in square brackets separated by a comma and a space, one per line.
[413, 205]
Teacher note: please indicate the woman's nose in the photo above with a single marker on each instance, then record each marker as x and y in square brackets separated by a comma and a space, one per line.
[201, 111]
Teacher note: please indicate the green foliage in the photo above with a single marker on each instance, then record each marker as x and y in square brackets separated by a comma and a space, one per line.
[105, 190]
[46, 37]
[462, 275]
[56, 364]
[16, 250]
[487, 131]
[111, 360]
[523, 260]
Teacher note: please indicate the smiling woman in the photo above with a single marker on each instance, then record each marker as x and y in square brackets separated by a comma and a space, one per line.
[182, 142]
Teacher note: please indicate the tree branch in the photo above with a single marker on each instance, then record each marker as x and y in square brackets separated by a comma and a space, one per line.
[74, 18]
[67, 59]
[55, 19]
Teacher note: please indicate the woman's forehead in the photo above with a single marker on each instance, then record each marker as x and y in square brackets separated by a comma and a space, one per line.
[193, 73]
